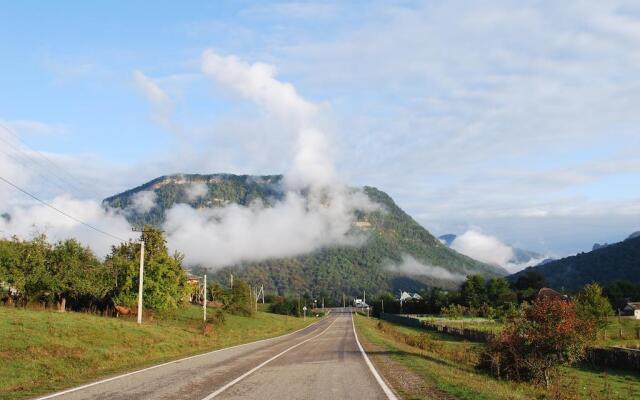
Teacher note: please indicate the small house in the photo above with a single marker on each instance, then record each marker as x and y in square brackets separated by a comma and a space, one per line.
[632, 309]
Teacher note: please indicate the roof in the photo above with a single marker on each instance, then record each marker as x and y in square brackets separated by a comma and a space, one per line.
[550, 293]
[634, 305]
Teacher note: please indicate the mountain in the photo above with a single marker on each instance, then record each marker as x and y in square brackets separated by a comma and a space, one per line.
[392, 237]
[617, 261]
[520, 256]
[634, 235]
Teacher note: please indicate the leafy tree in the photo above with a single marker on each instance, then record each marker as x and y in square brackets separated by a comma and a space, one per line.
[593, 306]
[472, 292]
[240, 300]
[499, 293]
[530, 280]
[531, 347]
[165, 280]
[72, 271]
[620, 292]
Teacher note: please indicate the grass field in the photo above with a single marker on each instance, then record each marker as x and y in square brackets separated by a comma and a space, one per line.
[45, 351]
[620, 332]
[447, 365]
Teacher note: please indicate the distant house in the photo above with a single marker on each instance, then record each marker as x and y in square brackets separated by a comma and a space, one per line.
[404, 296]
[547, 293]
[359, 303]
[632, 309]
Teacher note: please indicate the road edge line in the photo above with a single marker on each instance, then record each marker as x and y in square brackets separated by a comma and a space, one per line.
[254, 369]
[385, 388]
[113, 378]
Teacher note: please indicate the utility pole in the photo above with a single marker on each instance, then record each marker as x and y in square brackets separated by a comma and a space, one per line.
[382, 306]
[140, 284]
[140, 281]
[204, 298]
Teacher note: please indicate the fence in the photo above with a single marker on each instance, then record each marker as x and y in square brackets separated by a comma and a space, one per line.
[606, 357]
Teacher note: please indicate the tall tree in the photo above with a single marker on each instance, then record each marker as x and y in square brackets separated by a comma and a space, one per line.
[165, 280]
[72, 271]
[473, 292]
[592, 305]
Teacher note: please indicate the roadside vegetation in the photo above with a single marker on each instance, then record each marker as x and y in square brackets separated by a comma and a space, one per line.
[45, 351]
[448, 367]
[486, 305]
[58, 327]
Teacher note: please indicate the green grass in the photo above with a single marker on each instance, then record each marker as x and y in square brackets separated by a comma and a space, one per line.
[45, 351]
[478, 324]
[619, 332]
[447, 364]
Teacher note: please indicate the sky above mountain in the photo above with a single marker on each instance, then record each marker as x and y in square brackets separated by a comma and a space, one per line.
[512, 119]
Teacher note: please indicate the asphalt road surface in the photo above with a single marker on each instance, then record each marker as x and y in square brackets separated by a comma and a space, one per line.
[322, 361]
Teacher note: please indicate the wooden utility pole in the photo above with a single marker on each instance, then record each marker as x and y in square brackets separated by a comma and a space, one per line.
[140, 281]
[204, 298]
[140, 284]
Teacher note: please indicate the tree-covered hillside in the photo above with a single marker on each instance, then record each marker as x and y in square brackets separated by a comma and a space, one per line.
[618, 261]
[391, 236]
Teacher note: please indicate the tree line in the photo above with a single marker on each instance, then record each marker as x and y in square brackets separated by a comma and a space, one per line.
[68, 275]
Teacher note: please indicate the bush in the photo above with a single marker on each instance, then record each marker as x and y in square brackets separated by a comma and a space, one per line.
[531, 347]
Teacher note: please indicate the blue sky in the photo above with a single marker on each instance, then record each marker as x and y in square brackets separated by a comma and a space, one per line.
[516, 119]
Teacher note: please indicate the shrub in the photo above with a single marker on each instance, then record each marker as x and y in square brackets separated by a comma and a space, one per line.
[531, 347]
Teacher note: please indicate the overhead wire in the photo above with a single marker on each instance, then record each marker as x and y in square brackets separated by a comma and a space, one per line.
[61, 211]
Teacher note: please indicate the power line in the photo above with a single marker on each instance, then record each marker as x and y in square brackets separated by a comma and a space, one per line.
[62, 212]
[69, 180]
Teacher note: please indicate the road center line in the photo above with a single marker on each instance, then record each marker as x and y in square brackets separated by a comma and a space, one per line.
[382, 383]
[254, 369]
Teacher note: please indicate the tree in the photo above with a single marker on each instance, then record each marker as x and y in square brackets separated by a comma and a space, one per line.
[531, 347]
[72, 271]
[593, 306]
[165, 280]
[473, 292]
[240, 300]
[530, 280]
[499, 293]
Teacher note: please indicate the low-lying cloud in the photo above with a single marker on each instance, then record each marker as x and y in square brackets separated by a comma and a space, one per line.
[143, 202]
[482, 247]
[411, 266]
[27, 220]
[214, 237]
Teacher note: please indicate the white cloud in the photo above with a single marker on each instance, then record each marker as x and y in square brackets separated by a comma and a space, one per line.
[162, 104]
[196, 190]
[483, 248]
[216, 237]
[29, 219]
[29, 127]
[144, 201]
[411, 266]
[312, 162]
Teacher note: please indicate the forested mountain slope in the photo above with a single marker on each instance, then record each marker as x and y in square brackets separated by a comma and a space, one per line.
[618, 261]
[392, 236]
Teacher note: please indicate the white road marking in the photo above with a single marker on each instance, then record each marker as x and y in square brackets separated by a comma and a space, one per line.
[251, 371]
[382, 383]
[167, 363]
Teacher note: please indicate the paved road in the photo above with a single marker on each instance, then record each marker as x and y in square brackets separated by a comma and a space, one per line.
[323, 361]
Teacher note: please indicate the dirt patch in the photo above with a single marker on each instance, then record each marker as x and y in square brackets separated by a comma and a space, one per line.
[406, 383]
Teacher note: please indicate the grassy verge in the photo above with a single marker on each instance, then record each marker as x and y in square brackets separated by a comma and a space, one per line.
[619, 332]
[447, 365]
[43, 351]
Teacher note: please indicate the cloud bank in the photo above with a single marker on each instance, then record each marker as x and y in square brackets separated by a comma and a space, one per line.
[296, 225]
[411, 266]
[482, 247]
